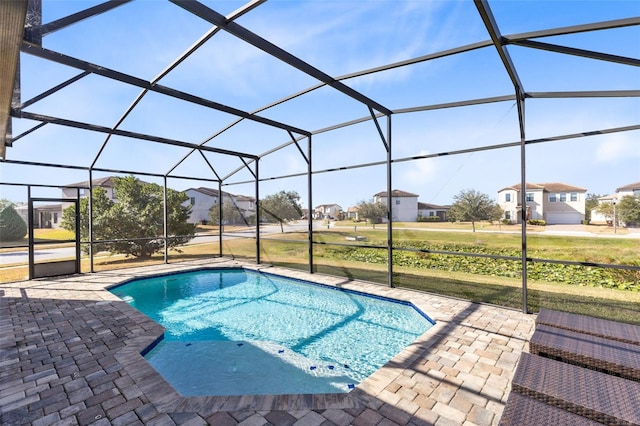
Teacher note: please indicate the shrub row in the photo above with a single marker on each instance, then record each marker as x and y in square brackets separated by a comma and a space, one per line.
[540, 271]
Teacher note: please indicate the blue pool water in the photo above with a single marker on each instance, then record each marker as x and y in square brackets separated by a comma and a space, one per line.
[240, 332]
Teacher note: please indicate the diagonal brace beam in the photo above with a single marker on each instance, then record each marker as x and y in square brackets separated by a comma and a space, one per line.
[135, 81]
[239, 31]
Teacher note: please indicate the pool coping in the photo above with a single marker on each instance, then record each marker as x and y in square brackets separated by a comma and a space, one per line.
[161, 393]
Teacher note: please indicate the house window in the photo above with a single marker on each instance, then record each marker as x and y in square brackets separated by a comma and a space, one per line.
[636, 192]
[397, 200]
[193, 200]
[553, 197]
[574, 196]
[507, 197]
[507, 215]
[563, 197]
[530, 196]
[55, 217]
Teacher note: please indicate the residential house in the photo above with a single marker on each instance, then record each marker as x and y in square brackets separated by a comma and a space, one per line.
[50, 215]
[404, 205]
[246, 205]
[201, 200]
[433, 211]
[632, 189]
[555, 203]
[106, 183]
[326, 211]
[45, 216]
[353, 213]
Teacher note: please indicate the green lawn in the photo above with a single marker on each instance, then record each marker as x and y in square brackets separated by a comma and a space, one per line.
[40, 236]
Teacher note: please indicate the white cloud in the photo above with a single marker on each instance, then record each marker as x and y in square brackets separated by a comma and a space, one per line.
[618, 147]
[419, 172]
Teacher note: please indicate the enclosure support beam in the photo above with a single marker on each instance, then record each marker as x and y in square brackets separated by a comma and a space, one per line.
[78, 232]
[242, 33]
[309, 203]
[30, 223]
[80, 16]
[523, 200]
[499, 42]
[63, 59]
[389, 206]
[220, 218]
[165, 220]
[91, 221]
[257, 212]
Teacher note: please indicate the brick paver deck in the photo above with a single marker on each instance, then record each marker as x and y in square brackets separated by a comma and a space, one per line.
[70, 355]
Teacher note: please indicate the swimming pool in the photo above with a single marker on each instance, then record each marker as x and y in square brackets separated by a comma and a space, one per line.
[242, 332]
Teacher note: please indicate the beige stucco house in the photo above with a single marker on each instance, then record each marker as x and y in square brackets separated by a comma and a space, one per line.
[554, 202]
[632, 189]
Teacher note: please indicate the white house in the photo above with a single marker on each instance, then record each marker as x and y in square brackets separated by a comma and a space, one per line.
[326, 211]
[427, 210]
[632, 189]
[246, 205]
[404, 205]
[201, 200]
[555, 203]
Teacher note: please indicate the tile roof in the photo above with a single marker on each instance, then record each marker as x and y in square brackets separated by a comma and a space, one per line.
[548, 187]
[105, 182]
[431, 206]
[629, 187]
[396, 193]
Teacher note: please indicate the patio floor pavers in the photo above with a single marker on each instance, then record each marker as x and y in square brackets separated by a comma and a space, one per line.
[70, 354]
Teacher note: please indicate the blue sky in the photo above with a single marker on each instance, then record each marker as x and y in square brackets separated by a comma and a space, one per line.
[339, 37]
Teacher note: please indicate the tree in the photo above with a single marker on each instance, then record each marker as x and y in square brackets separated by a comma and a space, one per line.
[471, 205]
[606, 209]
[101, 203]
[282, 207]
[628, 210]
[372, 211]
[4, 203]
[590, 203]
[136, 218]
[12, 226]
[231, 214]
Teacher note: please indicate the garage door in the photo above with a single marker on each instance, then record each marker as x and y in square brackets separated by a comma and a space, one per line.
[557, 218]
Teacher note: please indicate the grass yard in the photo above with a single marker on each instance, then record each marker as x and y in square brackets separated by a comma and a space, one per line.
[40, 236]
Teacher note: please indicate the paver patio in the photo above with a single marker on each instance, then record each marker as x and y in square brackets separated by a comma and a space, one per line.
[70, 354]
